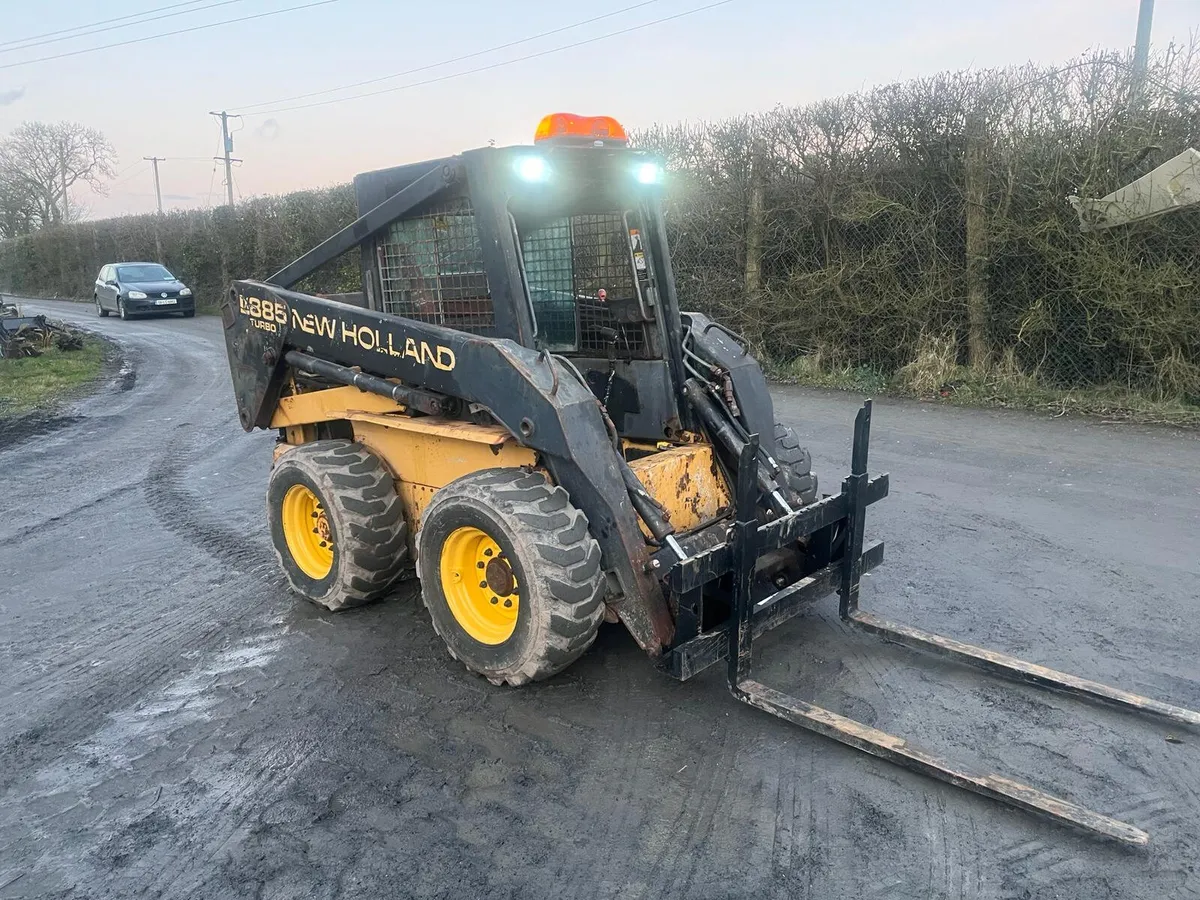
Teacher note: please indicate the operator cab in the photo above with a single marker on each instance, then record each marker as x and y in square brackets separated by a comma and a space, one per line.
[558, 246]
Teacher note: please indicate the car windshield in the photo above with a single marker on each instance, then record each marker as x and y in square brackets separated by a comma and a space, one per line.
[144, 273]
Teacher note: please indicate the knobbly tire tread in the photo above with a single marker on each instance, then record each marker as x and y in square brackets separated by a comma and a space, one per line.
[558, 568]
[796, 462]
[365, 513]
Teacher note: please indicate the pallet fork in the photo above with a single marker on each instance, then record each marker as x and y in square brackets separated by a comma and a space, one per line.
[750, 617]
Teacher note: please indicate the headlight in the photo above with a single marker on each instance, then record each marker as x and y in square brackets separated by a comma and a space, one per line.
[186, 292]
[532, 168]
[648, 173]
[136, 295]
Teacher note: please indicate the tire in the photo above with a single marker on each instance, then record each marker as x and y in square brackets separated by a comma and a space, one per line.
[121, 311]
[796, 463]
[542, 542]
[189, 314]
[100, 310]
[358, 511]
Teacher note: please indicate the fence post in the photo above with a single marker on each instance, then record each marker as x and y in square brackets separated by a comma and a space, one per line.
[755, 224]
[976, 177]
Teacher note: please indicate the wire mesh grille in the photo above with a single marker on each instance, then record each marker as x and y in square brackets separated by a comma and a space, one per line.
[568, 262]
[932, 251]
[431, 269]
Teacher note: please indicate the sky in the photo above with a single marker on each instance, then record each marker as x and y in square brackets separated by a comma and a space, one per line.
[153, 98]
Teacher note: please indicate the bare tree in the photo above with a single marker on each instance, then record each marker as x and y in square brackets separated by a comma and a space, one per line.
[17, 214]
[40, 162]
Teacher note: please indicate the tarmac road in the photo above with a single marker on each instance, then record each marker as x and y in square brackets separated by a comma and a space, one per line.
[174, 724]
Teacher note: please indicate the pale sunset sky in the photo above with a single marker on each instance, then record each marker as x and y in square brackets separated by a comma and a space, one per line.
[153, 97]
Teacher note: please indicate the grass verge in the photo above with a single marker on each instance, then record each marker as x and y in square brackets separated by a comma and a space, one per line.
[935, 377]
[34, 382]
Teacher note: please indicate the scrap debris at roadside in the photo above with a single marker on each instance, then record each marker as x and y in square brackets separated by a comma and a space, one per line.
[23, 336]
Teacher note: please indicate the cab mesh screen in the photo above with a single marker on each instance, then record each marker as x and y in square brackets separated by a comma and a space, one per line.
[568, 261]
[431, 269]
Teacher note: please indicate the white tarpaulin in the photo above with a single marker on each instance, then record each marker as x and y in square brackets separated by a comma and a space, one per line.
[1173, 185]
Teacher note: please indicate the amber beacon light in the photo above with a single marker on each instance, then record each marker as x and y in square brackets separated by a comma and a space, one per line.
[568, 128]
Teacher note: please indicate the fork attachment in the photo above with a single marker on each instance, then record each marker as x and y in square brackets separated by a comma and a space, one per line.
[742, 631]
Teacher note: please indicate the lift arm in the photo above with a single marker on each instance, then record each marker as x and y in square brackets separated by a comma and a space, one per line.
[532, 394]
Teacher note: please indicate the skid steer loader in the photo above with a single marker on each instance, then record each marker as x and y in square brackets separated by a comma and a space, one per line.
[515, 408]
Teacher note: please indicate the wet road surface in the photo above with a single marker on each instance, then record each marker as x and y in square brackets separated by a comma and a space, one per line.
[174, 724]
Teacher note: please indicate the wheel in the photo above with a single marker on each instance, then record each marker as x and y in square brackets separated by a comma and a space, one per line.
[510, 574]
[100, 310]
[189, 314]
[796, 463]
[336, 523]
[121, 310]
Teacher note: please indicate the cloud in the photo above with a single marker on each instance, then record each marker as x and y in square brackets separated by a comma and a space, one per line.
[179, 198]
[268, 130]
[8, 98]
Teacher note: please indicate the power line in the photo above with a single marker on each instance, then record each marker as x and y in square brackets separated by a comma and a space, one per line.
[141, 168]
[447, 62]
[152, 37]
[211, 178]
[497, 65]
[34, 37]
[127, 168]
[71, 37]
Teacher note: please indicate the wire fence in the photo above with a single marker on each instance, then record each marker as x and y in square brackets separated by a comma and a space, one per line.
[918, 236]
[915, 237]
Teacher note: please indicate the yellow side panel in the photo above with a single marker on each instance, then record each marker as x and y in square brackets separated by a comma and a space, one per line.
[427, 453]
[331, 403]
[687, 482]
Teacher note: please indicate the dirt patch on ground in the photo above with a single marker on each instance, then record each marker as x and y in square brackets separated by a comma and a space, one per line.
[36, 394]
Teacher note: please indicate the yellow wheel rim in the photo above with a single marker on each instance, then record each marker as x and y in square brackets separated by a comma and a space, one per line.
[479, 585]
[307, 532]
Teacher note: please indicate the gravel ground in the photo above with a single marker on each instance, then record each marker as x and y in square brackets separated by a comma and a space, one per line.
[174, 724]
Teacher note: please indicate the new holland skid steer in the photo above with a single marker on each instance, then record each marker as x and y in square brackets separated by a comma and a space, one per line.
[515, 407]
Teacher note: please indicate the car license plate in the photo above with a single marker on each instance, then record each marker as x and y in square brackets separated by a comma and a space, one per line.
[164, 302]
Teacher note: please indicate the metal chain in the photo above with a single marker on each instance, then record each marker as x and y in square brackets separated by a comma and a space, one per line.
[612, 373]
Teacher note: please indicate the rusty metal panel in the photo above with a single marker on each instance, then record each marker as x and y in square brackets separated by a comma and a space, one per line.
[687, 482]
[450, 429]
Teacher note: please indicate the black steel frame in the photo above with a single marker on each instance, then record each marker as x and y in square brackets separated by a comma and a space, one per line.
[749, 619]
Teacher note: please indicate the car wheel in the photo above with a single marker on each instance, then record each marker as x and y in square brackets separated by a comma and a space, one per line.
[100, 310]
[121, 310]
[189, 314]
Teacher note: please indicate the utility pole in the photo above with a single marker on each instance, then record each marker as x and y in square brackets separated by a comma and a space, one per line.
[227, 145]
[154, 161]
[1141, 49]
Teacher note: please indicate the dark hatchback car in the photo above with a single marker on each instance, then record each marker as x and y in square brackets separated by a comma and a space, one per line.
[138, 288]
